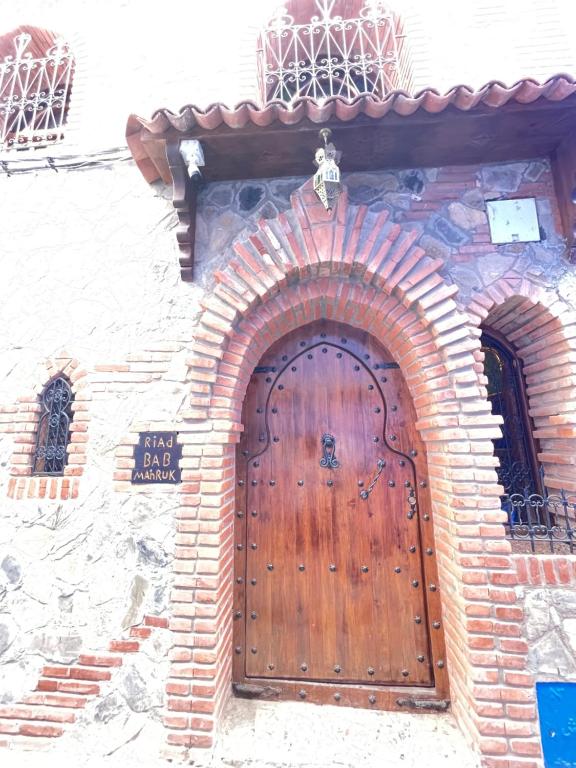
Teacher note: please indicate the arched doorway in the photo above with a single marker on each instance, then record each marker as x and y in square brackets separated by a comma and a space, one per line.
[335, 573]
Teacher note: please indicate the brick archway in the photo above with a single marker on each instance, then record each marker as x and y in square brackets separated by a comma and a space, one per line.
[358, 268]
[542, 329]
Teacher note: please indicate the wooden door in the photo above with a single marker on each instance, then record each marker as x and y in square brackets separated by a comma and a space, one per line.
[330, 573]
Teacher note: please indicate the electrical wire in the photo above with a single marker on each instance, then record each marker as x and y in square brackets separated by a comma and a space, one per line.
[102, 159]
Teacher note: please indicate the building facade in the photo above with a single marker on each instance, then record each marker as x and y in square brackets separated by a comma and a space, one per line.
[140, 307]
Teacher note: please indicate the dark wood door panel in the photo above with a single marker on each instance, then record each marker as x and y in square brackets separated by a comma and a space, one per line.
[332, 580]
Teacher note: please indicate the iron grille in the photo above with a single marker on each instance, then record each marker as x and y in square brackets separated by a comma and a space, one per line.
[53, 429]
[542, 519]
[34, 94]
[516, 449]
[332, 56]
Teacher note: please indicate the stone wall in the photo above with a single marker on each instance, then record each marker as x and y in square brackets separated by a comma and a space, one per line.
[446, 206]
[549, 598]
[90, 275]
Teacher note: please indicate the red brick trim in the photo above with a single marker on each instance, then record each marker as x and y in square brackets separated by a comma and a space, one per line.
[297, 268]
[543, 330]
[546, 570]
[21, 420]
[63, 689]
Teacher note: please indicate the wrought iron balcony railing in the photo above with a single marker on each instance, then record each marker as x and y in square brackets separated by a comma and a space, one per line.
[541, 521]
[34, 95]
[332, 56]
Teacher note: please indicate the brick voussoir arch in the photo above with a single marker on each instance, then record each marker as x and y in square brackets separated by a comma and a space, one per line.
[542, 328]
[359, 268]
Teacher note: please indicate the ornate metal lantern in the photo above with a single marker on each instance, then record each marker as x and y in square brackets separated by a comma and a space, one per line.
[327, 178]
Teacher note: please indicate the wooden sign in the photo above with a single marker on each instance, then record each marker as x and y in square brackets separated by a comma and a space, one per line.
[157, 455]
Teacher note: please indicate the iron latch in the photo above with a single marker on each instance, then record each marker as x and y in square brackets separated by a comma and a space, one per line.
[367, 491]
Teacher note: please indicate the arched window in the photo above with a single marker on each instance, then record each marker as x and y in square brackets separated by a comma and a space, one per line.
[324, 48]
[516, 449]
[36, 72]
[53, 436]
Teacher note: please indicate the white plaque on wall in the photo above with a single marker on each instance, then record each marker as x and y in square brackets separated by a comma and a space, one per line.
[513, 221]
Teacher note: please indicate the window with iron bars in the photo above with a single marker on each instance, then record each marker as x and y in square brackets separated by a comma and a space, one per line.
[333, 56]
[53, 435]
[35, 84]
[538, 520]
[541, 522]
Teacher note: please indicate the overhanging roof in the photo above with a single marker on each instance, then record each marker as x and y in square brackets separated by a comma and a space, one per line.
[493, 123]
[463, 126]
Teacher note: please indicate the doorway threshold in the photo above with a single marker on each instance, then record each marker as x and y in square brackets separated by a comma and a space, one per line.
[263, 734]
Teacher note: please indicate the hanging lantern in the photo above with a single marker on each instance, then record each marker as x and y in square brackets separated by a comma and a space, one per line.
[327, 178]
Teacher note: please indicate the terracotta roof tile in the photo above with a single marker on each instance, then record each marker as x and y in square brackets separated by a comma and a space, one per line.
[145, 137]
[493, 94]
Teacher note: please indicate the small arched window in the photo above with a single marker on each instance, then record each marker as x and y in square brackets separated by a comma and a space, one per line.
[517, 449]
[36, 73]
[53, 436]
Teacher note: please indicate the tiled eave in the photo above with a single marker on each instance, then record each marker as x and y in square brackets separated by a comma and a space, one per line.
[462, 126]
[461, 113]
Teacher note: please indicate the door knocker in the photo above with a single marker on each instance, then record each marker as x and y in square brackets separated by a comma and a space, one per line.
[329, 460]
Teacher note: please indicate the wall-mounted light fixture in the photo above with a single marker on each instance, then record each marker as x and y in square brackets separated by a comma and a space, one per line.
[327, 178]
[193, 155]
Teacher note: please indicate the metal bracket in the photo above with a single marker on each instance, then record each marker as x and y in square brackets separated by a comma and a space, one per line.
[435, 705]
[251, 691]
[184, 201]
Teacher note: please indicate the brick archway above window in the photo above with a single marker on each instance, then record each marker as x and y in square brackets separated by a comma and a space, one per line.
[542, 330]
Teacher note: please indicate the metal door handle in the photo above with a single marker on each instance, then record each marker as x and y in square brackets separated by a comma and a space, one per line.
[329, 460]
[367, 491]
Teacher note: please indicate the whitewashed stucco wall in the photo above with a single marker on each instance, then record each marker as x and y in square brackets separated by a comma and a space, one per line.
[134, 57]
[90, 266]
[469, 43]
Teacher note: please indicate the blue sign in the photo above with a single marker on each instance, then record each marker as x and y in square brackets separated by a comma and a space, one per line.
[557, 710]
